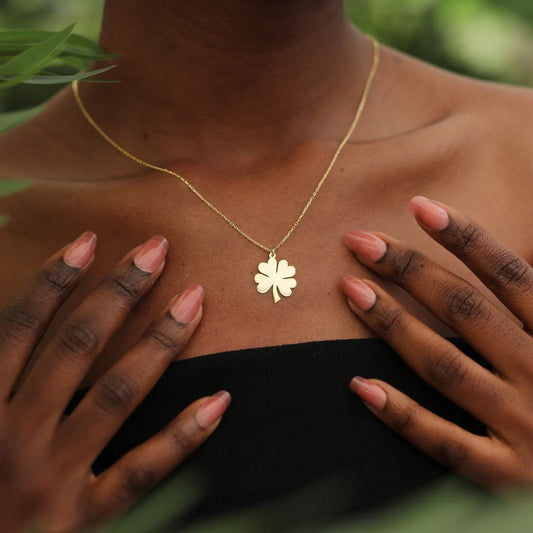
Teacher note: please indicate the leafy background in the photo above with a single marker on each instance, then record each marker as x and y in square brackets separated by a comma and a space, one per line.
[488, 39]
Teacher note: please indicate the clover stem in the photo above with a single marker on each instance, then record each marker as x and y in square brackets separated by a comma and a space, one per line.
[275, 292]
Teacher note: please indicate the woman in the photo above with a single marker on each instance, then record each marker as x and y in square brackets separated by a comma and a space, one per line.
[249, 101]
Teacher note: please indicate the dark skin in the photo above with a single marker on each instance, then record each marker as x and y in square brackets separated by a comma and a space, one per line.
[501, 398]
[252, 119]
[47, 481]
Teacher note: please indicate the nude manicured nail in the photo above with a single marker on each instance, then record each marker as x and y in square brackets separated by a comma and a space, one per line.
[81, 251]
[186, 305]
[151, 254]
[429, 213]
[369, 392]
[366, 245]
[359, 293]
[213, 409]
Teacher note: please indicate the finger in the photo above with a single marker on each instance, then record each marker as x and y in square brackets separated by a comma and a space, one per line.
[503, 271]
[436, 360]
[24, 321]
[453, 300]
[484, 460]
[80, 338]
[142, 468]
[118, 392]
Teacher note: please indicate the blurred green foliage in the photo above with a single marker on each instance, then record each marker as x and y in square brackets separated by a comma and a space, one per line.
[40, 58]
[450, 505]
[45, 15]
[488, 39]
[485, 38]
[52, 15]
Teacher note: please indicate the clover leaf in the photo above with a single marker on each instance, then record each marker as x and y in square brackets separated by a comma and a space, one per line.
[276, 277]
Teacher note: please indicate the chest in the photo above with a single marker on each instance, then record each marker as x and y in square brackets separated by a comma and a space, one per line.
[368, 190]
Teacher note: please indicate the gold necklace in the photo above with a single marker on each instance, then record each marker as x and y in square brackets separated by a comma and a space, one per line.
[272, 275]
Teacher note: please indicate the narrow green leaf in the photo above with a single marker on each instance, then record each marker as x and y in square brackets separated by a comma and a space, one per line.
[13, 186]
[37, 54]
[87, 55]
[11, 49]
[77, 63]
[36, 36]
[14, 118]
[19, 40]
[67, 78]
[3, 219]
[28, 36]
[34, 59]
[85, 44]
[8, 51]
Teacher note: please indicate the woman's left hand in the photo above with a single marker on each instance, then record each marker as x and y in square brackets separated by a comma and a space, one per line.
[503, 398]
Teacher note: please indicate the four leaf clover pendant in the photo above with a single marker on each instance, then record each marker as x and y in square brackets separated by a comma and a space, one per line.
[275, 276]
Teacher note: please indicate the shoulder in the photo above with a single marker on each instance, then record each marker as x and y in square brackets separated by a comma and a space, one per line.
[485, 120]
[498, 120]
[55, 145]
[464, 141]
[428, 88]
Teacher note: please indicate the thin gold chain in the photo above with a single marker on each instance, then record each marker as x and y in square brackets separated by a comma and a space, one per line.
[271, 251]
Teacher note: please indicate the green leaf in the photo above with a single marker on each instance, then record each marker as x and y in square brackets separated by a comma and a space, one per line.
[67, 78]
[37, 54]
[31, 37]
[9, 50]
[13, 186]
[34, 59]
[14, 118]
[3, 219]
[81, 45]
[77, 63]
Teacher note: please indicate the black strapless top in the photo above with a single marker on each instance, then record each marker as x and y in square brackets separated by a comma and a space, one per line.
[293, 420]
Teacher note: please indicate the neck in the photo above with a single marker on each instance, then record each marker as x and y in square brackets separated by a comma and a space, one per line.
[245, 73]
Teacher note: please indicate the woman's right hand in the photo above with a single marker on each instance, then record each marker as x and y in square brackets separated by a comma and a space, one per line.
[45, 457]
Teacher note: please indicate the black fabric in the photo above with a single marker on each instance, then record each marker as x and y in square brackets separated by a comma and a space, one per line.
[292, 421]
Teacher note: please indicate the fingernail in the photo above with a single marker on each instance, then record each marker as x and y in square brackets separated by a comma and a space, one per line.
[151, 254]
[185, 306]
[359, 293]
[81, 251]
[366, 245]
[213, 409]
[369, 392]
[429, 213]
